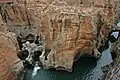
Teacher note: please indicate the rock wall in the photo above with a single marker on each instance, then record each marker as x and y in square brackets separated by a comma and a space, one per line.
[9, 63]
[113, 70]
[68, 27]
[116, 49]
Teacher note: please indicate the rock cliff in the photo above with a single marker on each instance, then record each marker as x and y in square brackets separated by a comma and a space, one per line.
[69, 28]
[112, 71]
[9, 63]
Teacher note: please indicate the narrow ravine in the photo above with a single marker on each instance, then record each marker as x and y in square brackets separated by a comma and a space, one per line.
[46, 38]
[84, 69]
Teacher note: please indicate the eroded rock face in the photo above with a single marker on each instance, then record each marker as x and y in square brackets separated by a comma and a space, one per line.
[9, 63]
[116, 49]
[113, 72]
[68, 27]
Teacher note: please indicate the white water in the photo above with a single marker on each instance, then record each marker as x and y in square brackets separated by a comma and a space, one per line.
[35, 70]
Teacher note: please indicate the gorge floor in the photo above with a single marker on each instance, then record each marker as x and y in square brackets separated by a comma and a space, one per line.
[84, 69]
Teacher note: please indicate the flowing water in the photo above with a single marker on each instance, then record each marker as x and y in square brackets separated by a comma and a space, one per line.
[35, 70]
[83, 69]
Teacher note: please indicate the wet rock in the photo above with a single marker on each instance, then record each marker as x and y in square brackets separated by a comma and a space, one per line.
[113, 72]
[66, 30]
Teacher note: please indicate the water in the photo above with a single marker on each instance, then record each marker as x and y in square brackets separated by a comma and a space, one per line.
[84, 69]
[35, 70]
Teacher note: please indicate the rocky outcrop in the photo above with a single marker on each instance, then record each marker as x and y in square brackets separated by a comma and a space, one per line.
[113, 71]
[9, 63]
[69, 28]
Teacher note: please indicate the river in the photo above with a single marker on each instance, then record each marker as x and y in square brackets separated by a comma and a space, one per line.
[83, 69]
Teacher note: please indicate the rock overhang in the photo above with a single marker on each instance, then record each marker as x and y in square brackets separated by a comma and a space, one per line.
[67, 29]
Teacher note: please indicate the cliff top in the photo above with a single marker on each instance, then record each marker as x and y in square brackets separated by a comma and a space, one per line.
[5, 1]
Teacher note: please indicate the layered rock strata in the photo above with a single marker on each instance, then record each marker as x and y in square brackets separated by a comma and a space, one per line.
[9, 63]
[69, 28]
[112, 71]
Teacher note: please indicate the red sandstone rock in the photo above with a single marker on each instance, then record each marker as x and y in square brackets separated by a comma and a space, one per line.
[5, 1]
[9, 63]
[76, 27]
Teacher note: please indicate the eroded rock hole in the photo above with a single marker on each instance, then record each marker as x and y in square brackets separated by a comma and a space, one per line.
[113, 55]
[23, 54]
[31, 48]
[47, 51]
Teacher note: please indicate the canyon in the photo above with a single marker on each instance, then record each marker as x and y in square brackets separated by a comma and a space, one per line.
[69, 29]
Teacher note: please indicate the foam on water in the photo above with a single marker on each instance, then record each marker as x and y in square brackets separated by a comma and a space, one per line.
[35, 70]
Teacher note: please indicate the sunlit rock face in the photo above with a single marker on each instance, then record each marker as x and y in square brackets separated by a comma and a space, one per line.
[116, 49]
[68, 27]
[9, 63]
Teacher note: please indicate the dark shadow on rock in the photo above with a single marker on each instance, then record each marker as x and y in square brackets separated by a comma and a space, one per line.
[104, 47]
